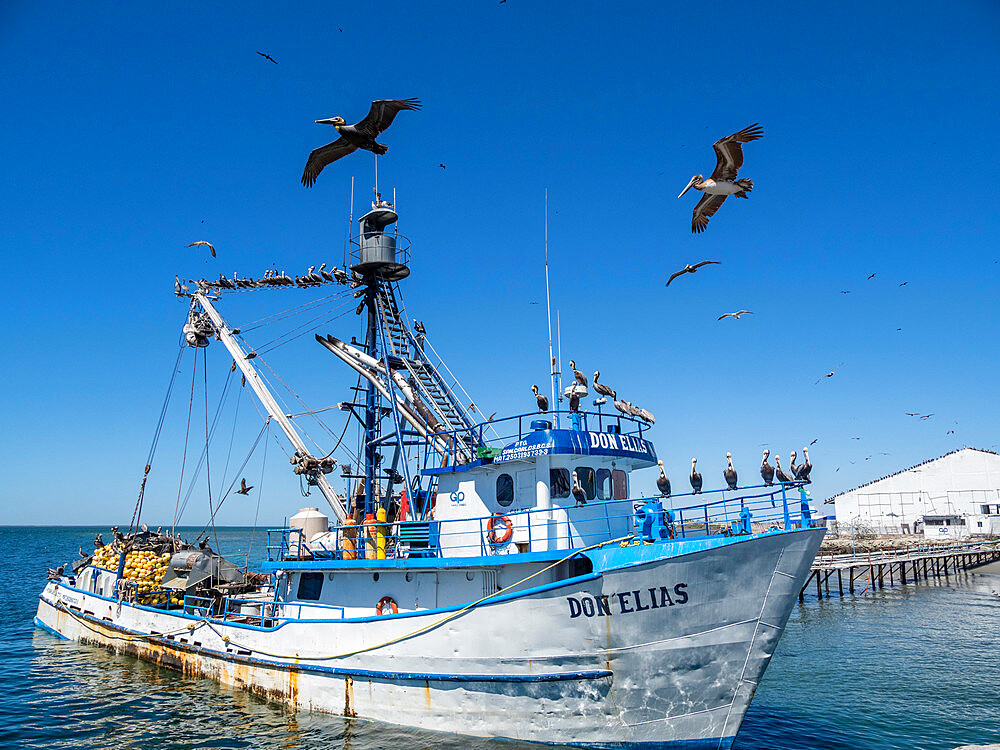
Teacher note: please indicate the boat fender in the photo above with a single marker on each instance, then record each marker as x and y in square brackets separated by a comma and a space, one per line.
[499, 529]
[386, 602]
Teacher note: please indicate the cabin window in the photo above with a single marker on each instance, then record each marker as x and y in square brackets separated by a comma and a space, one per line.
[505, 490]
[585, 475]
[559, 485]
[603, 484]
[619, 484]
[310, 586]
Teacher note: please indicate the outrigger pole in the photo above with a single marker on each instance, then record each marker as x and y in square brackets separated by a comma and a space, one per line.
[273, 409]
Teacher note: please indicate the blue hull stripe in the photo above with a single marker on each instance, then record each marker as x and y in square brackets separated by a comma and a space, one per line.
[47, 629]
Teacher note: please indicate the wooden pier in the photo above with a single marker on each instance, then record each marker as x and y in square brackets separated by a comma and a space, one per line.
[877, 569]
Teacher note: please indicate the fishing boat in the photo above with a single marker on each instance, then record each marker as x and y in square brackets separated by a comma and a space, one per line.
[492, 577]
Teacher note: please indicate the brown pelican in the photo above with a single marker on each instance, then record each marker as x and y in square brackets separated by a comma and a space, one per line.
[779, 472]
[578, 494]
[623, 406]
[766, 470]
[695, 478]
[730, 473]
[691, 269]
[353, 137]
[792, 466]
[723, 182]
[244, 490]
[267, 57]
[209, 245]
[98, 542]
[543, 401]
[646, 416]
[806, 467]
[574, 401]
[662, 482]
[600, 387]
[324, 273]
[580, 377]
[735, 315]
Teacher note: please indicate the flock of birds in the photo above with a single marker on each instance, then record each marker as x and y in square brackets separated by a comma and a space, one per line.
[580, 379]
[271, 278]
[799, 473]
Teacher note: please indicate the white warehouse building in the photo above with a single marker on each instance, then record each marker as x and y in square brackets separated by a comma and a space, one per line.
[954, 496]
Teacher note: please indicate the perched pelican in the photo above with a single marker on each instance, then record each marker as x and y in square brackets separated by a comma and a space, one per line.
[646, 416]
[580, 377]
[723, 182]
[209, 245]
[695, 477]
[244, 490]
[792, 467]
[779, 472]
[766, 470]
[621, 406]
[324, 273]
[730, 473]
[543, 401]
[600, 387]
[418, 326]
[662, 482]
[313, 276]
[735, 315]
[353, 137]
[98, 542]
[806, 467]
[691, 269]
[578, 494]
[574, 401]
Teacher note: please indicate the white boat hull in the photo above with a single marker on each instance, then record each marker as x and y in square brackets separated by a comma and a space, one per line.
[656, 650]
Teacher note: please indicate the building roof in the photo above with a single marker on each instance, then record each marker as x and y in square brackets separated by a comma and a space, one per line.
[911, 468]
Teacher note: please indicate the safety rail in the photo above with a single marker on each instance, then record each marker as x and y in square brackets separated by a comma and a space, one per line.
[200, 606]
[752, 509]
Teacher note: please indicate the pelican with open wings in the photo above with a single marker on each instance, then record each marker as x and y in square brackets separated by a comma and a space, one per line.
[353, 137]
[723, 182]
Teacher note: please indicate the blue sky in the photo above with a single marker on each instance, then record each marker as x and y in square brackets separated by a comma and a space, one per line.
[130, 130]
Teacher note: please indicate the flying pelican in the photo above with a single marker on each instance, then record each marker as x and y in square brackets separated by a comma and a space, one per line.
[600, 387]
[779, 472]
[542, 399]
[735, 315]
[806, 467]
[730, 473]
[695, 477]
[244, 490]
[662, 482]
[691, 269]
[267, 57]
[766, 470]
[723, 182]
[353, 137]
[580, 377]
[209, 245]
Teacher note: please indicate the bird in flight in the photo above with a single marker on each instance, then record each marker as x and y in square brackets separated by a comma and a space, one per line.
[855, 438]
[950, 432]
[926, 416]
[871, 277]
[691, 269]
[913, 413]
[209, 245]
[244, 490]
[442, 166]
[904, 283]
[267, 57]
[845, 291]
[722, 183]
[735, 315]
[352, 137]
[830, 374]
[814, 441]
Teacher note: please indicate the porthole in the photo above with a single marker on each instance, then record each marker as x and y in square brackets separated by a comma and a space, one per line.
[469, 575]
[374, 576]
[409, 577]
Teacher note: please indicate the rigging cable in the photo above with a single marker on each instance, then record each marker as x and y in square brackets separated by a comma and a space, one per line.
[208, 466]
[187, 433]
[239, 471]
[260, 491]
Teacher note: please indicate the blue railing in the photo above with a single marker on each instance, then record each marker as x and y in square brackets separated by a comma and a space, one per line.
[751, 509]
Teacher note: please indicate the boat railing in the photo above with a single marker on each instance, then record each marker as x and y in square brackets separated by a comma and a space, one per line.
[748, 510]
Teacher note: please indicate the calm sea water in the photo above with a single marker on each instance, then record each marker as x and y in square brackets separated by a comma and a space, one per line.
[912, 667]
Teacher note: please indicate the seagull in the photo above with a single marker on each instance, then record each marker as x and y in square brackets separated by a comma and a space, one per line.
[244, 490]
[542, 399]
[267, 57]
[735, 315]
[662, 482]
[695, 478]
[209, 245]
[766, 470]
[691, 269]
[926, 416]
[600, 387]
[352, 137]
[580, 377]
[913, 414]
[730, 473]
[871, 277]
[723, 182]
[830, 374]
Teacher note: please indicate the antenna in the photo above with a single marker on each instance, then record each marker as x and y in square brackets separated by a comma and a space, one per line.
[558, 372]
[548, 308]
[376, 174]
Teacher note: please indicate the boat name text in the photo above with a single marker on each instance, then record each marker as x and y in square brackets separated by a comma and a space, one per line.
[626, 602]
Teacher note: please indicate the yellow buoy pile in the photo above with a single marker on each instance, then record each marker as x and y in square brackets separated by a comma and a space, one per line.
[144, 568]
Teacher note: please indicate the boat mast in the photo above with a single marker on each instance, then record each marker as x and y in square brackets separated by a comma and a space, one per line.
[315, 474]
[548, 307]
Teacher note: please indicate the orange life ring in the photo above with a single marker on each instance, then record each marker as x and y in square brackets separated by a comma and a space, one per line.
[497, 520]
[386, 601]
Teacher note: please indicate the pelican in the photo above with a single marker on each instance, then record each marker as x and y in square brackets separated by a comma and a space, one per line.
[244, 490]
[574, 401]
[211, 248]
[600, 387]
[779, 472]
[543, 401]
[646, 416]
[353, 137]
[695, 478]
[578, 494]
[621, 406]
[580, 377]
[313, 276]
[792, 467]
[730, 473]
[324, 273]
[691, 269]
[723, 182]
[766, 470]
[662, 482]
[806, 467]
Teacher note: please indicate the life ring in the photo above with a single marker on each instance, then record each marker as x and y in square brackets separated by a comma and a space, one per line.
[386, 601]
[493, 533]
